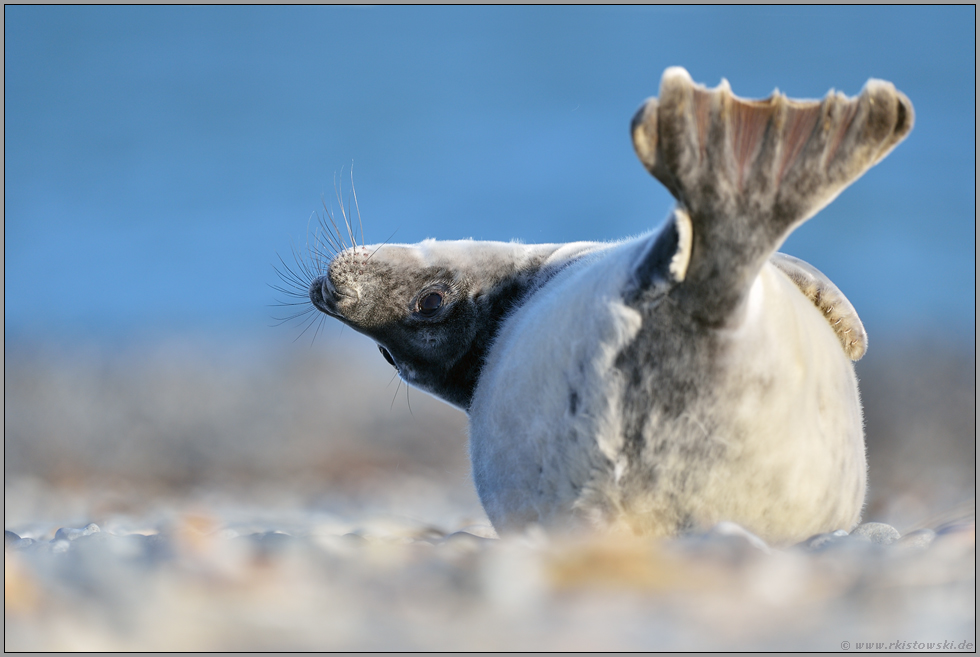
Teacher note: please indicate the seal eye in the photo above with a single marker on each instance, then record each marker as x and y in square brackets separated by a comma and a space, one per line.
[430, 304]
[384, 352]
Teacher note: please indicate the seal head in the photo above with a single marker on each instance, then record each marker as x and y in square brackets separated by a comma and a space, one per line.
[434, 308]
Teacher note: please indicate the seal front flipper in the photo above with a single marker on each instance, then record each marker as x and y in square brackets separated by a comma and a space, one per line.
[831, 302]
[747, 172]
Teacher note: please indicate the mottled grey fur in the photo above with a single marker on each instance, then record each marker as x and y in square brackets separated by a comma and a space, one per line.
[666, 382]
[375, 289]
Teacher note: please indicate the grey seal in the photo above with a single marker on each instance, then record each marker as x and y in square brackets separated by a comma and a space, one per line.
[664, 383]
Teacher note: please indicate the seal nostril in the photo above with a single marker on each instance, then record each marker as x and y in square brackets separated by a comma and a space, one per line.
[315, 295]
[323, 295]
[329, 298]
[317, 290]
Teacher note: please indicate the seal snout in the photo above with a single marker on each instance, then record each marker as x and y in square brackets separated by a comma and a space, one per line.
[320, 294]
[325, 296]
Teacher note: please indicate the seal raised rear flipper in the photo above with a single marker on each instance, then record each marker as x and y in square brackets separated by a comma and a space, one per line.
[829, 300]
[747, 172]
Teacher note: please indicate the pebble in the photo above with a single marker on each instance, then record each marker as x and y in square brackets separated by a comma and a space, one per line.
[726, 540]
[15, 542]
[59, 547]
[961, 533]
[352, 538]
[603, 590]
[466, 542]
[876, 532]
[155, 547]
[269, 544]
[71, 534]
[152, 547]
[823, 541]
[919, 539]
[965, 525]
[732, 530]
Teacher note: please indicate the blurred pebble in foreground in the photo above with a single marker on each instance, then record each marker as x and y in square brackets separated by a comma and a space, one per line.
[203, 585]
[235, 498]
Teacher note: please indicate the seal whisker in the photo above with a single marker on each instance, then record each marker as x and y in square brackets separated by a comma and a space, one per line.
[293, 288]
[294, 316]
[289, 276]
[380, 245]
[335, 238]
[322, 249]
[297, 284]
[393, 376]
[292, 293]
[340, 202]
[395, 396]
[301, 316]
[357, 207]
[316, 331]
[317, 238]
[304, 264]
[319, 258]
[311, 322]
[287, 304]
[316, 257]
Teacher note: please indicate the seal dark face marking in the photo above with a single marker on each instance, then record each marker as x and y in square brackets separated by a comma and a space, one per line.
[434, 308]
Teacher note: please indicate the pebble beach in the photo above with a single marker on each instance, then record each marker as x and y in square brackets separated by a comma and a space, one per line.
[196, 580]
[371, 537]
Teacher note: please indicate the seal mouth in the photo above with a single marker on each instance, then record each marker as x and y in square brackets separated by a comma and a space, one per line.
[387, 356]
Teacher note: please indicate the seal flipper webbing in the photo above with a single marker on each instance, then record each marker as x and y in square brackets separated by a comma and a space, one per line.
[748, 172]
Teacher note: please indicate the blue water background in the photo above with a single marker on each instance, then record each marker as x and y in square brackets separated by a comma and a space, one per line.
[157, 159]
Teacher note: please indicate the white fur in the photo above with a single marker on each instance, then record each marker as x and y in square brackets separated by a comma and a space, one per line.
[801, 441]
[785, 448]
[519, 416]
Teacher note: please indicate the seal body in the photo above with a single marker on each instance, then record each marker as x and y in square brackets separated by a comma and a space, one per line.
[596, 412]
[689, 376]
